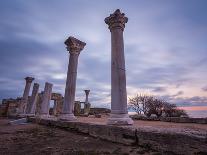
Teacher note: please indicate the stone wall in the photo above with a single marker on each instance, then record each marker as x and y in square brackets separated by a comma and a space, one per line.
[163, 141]
[9, 107]
[99, 111]
[172, 119]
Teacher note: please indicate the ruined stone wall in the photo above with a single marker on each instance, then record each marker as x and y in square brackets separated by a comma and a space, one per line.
[10, 107]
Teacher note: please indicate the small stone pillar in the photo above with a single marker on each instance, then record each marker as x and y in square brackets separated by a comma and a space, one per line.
[87, 105]
[119, 114]
[33, 102]
[45, 105]
[23, 105]
[74, 46]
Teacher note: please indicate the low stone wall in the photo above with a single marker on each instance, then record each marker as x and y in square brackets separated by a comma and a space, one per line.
[99, 111]
[172, 119]
[164, 142]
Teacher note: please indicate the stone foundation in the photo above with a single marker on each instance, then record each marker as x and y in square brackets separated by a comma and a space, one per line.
[165, 141]
[172, 119]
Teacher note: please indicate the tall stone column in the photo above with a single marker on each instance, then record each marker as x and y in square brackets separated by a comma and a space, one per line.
[87, 105]
[119, 114]
[45, 105]
[87, 93]
[24, 101]
[74, 46]
[31, 106]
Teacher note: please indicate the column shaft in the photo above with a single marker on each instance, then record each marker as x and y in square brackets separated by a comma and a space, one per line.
[45, 105]
[74, 46]
[32, 104]
[69, 98]
[119, 114]
[24, 101]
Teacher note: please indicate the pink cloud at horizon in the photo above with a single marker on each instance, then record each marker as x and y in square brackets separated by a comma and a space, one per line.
[194, 108]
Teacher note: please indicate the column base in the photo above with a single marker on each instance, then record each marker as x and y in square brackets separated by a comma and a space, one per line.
[22, 115]
[30, 115]
[46, 116]
[119, 119]
[42, 116]
[67, 117]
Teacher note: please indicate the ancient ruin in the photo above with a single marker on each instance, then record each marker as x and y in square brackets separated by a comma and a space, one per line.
[32, 102]
[46, 97]
[58, 103]
[166, 136]
[87, 105]
[119, 113]
[74, 46]
[24, 102]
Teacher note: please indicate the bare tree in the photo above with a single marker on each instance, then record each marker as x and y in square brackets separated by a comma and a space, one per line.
[149, 105]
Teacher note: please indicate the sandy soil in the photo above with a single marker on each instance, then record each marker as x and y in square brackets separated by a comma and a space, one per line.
[35, 139]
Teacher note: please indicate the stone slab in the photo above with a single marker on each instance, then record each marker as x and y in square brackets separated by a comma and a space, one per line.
[18, 121]
[163, 140]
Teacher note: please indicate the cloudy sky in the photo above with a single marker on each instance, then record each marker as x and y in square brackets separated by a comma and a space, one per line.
[165, 47]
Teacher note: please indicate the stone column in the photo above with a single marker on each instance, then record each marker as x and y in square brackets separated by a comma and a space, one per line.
[31, 106]
[87, 105]
[74, 46]
[45, 105]
[119, 114]
[87, 93]
[25, 95]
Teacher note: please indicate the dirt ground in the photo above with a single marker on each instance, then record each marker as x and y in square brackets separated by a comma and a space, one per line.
[32, 139]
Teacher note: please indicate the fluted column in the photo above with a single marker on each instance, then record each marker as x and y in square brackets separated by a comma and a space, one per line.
[31, 106]
[74, 46]
[24, 101]
[45, 104]
[119, 113]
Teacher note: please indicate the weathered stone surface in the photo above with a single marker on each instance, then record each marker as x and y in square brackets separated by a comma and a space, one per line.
[38, 105]
[18, 121]
[58, 103]
[99, 111]
[44, 111]
[77, 108]
[74, 46]
[119, 113]
[33, 100]
[172, 119]
[86, 109]
[166, 141]
[87, 105]
[24, 102]
[9, 107]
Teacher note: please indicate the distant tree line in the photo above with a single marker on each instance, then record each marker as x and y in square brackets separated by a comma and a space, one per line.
[148, 105]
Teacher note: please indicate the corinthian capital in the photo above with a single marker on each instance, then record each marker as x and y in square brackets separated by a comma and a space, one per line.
[74, 46]
[116, 20]
[29, 79]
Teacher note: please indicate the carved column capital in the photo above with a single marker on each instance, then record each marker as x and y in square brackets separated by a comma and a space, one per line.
[74, 46]
[87, 91]
[29, 79]
[116, 20]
